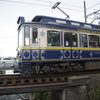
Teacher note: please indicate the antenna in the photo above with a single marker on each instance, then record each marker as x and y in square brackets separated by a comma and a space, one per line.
[56, 6]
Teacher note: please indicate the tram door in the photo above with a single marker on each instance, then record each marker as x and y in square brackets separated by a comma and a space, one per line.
[35, 43]
[71, 44]
[74, 46]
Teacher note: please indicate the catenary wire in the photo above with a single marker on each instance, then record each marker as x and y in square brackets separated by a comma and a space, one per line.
[49, 5]
[37, 4]
[61, 3]
[66, 4]
[24, 3]
[93, 5]
[44, 5]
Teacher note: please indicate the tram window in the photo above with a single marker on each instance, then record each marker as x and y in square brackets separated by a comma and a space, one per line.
[84, 40]
[35, 36]
[53, 38]
[20, 38]
[74, 40]
[67, 39]
[93, 41]
[26, 35]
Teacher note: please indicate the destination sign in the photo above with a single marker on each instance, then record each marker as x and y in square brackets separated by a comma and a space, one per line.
[88, 31]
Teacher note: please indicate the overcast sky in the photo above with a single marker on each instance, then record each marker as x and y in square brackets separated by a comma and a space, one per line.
[10, 10]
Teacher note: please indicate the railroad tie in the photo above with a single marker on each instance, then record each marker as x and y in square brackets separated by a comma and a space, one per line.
[47, 80]
[22, 82]
[54, 79]
[39, 81]
[5, 82]
[62, 79]
[31, 81]
[13, 82]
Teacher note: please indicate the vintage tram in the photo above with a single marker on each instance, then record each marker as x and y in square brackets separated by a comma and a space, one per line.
[49, 44]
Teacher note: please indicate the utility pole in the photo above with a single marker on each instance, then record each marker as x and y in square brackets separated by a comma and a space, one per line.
[85, 12]
[96, 15]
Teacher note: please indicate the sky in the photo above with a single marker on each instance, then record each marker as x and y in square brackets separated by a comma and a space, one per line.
[10, 10]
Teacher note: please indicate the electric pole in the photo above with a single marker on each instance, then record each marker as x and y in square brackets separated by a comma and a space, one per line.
[85, 12]
[95, 17]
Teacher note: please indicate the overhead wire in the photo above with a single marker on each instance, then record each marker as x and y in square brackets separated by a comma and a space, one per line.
[93, 5]
[23, 2]
[44, 1]
[73, 9]
[61, 3]
[71, 5]
[67, 4]
[49, 5]
[37, 4]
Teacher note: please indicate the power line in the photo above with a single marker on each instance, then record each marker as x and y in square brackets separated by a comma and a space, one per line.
[73, 9]
[24, 3]
[73, 6]
[65, 5]
[44, 1]
[48, 5]
[38, 5]
[94, 5]
[61, 3]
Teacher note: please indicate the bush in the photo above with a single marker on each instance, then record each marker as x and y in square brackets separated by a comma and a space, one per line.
[41, 96]
[93, 88]
[1, 72]
[94, 95]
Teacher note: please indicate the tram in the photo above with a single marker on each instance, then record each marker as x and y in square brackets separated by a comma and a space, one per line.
[50, 45]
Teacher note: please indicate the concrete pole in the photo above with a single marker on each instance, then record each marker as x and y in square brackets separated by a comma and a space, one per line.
[85, 12]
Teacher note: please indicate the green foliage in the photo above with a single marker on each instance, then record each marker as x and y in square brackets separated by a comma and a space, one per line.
[94, 95]
[41, 96]
[1, 72]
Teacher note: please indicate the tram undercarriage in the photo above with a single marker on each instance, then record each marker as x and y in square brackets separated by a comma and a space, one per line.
[60, 67]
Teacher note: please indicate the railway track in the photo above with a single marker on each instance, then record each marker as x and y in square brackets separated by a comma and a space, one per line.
[15, 84]
[17, 80]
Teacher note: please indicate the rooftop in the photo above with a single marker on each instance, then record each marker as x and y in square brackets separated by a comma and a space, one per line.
[54, 20]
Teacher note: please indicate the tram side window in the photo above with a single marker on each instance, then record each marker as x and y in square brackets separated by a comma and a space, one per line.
[84, 40]
[93, 41]
[26, 35]
[20, 38]
[35, 36]
[74, 40]
[66, 39]
[53, 38]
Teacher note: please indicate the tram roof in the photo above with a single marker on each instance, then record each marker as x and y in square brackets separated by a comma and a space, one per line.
[54, 20]
[63, 21]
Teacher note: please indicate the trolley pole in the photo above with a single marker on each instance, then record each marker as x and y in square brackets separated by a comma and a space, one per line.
[56, 6]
